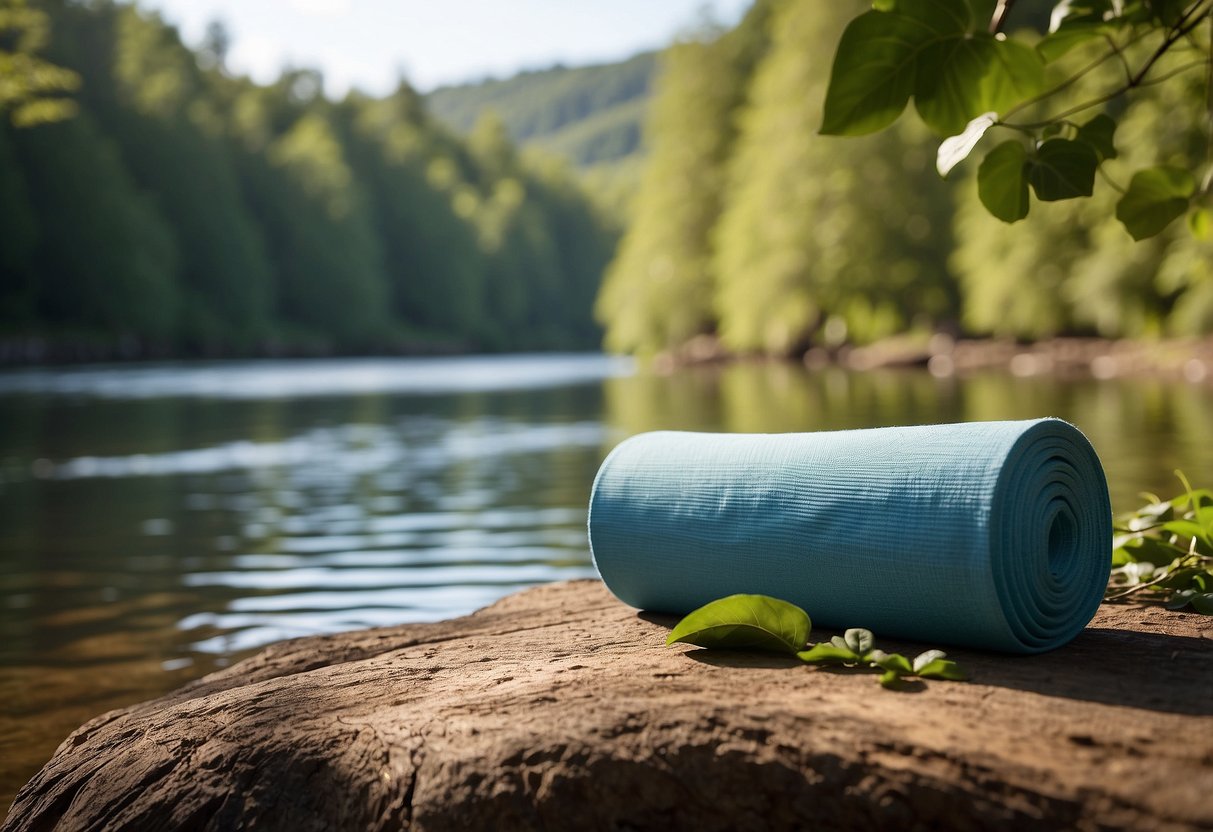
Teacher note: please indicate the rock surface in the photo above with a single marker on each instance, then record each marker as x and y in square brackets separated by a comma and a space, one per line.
[560, 708]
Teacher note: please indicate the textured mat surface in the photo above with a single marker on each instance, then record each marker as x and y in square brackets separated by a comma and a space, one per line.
[989, 534]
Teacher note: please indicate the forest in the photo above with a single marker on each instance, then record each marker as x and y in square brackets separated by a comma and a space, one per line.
[180, 210]
[591, 115]
[153, 204]
[752, 228]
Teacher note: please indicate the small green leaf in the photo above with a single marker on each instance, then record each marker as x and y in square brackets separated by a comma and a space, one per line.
[942, 669]
[1062, 169]
[828, 654]
[925, 658]
[1098, 133]
[891, 661]
[1155, 198]
[1203, 603]
[956, 149]
[745, 621]
[1002, 182]
[891, 680]
[859, 640]
[1188, 528]
[839, 642]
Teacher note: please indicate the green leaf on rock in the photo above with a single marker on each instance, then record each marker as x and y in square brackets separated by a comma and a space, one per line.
[1002, 182]
[941, 669]
[859, 641]
[891, 661]
[925, 658]
[1156, 197]
[1062, 169]
[1203, 603]
[891, 680]
[737, 622]
[828, 654]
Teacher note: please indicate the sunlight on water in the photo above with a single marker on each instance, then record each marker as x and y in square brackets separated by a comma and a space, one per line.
[333, 377]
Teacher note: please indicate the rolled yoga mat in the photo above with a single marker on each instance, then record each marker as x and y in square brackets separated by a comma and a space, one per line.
[987, 534]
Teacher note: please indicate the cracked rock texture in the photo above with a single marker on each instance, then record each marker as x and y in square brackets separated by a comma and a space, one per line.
[560, 708]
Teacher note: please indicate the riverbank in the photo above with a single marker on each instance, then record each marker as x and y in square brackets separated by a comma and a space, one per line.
[1190, 359]
[561, 707]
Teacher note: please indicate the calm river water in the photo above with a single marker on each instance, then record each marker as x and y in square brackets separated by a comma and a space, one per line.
[159, 522]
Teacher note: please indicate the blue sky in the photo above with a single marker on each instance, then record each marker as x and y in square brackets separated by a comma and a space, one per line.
[368, 43]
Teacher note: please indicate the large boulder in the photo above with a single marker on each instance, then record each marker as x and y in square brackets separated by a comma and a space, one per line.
[560, 708]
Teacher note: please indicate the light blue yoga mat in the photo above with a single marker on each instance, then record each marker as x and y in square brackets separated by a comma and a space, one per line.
[988, 534]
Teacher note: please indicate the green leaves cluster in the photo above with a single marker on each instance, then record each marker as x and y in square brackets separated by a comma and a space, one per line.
[966, 80]
[856, 648]
[932, 51]
[1163, 552]
[760, 622]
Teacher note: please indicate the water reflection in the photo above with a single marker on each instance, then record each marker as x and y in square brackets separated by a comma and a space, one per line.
[157, 523]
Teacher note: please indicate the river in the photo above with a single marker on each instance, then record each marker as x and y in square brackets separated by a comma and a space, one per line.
[158, 522]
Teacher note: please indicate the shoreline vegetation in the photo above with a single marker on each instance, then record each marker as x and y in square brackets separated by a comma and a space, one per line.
[942, 355]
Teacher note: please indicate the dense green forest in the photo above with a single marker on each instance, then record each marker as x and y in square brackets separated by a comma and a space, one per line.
[750, 227]
[182, 210]
[589, 115]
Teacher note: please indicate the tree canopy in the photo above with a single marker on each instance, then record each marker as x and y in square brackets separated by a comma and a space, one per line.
[165, 206]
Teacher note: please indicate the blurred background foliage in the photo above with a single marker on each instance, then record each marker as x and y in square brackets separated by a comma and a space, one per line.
[180, 210]
[749, 227]
[153, 203]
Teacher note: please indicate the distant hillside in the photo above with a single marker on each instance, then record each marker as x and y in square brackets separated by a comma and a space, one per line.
[590, 115]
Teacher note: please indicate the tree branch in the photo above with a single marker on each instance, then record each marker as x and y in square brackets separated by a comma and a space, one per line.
[1073, 79]
[1187, 22]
